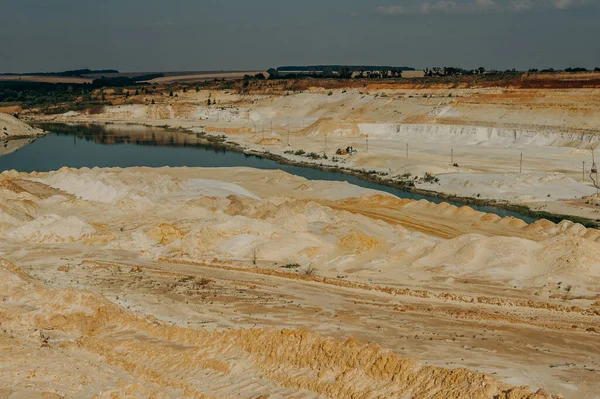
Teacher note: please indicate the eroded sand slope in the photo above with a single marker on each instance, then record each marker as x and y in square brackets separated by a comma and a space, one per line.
[15, 134]
[11, 127]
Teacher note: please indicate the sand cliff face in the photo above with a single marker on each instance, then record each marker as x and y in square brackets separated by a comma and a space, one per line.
[194, 282]
[352, 112]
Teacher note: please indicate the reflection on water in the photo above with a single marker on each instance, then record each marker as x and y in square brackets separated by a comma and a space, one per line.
[127, 134]
[12, 145]
[93, 145]
[90, 146]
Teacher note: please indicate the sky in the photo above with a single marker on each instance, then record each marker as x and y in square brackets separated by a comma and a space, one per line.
[199, 35]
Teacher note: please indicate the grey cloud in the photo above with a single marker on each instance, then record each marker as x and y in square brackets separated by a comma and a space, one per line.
[481, 6]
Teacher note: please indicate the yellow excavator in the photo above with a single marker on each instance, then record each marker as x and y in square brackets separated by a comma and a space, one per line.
[346, 151]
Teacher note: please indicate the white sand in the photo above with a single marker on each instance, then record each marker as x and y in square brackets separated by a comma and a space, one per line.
[513, 187]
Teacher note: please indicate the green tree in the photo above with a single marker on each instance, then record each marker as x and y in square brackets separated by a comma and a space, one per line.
[345, 73]
[578, 69]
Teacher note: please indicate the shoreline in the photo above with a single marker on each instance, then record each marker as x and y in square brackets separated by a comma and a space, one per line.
[21, 137]
[218, 141]
[521, 209]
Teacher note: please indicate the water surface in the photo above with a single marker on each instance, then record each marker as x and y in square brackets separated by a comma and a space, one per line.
[126, 146]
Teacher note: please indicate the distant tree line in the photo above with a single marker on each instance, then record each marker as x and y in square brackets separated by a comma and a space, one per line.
[339, 68]
[48, 95]
[381, 74]
[551, 70]
[42, 94]
[337, 72]
[452, 71]
[258, 76]
[248, 78]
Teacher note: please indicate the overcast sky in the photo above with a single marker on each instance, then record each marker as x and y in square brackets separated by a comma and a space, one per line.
[179, 35]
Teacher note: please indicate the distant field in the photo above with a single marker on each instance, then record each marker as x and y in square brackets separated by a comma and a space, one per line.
[170, 77]
[200, 76]
[44, 79]
[558, 80]
[413, 74]
[565, 76]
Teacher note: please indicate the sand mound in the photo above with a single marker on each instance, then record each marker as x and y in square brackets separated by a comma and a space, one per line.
[357, 242]
[8, 184]
[18, 209]
[188, 217]
[269, 141]
[216, 188]
[570, 255]
[490, 217]
[165, 233]
[110, 186]
[490, 256]
[333, 127]
[53, 229]
[11, 128]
